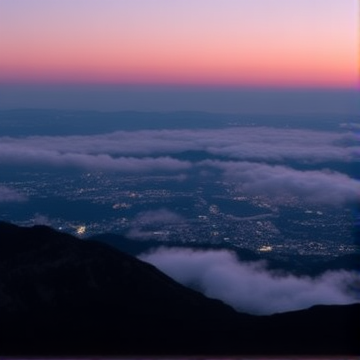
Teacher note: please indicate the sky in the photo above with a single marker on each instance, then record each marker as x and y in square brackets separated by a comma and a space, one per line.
[133, 49]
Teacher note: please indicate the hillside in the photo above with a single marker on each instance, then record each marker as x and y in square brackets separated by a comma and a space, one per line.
[63, 296]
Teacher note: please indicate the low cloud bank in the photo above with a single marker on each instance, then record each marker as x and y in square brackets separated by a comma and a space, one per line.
[10, 195]
[90, 161]
[40, 219]
[241, 143]
[321, 186]
[244, 150]
[153, 219]
[250, 287]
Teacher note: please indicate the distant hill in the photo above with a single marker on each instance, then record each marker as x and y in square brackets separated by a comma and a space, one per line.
[27, 122]
[62, 296]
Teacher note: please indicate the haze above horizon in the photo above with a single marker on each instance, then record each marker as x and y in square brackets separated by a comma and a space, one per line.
[93, 49]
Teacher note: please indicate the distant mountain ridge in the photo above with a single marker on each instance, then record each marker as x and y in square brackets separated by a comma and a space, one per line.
[60, 295]
[28, 122]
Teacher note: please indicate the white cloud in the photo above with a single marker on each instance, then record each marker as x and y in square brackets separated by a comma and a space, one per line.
[250, 287]
[242, 143]
[10, 195]
[155, 219]
[40, 219]
[247, 148]
[324, 186]
[350, 126]
[23, 155]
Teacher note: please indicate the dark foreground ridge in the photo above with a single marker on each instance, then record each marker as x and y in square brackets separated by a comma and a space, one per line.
[61, 296]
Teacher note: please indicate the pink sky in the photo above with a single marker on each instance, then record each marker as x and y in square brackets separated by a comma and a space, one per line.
[297, 43]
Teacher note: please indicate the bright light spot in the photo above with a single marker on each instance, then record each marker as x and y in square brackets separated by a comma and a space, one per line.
[265, 248]
[81, 230]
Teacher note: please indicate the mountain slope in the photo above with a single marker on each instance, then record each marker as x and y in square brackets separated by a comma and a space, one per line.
[63, 296]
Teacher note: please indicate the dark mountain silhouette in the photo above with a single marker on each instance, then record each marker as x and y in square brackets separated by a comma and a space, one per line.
[60, 295]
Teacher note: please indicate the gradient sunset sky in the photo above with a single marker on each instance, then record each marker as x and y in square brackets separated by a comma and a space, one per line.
[188, 43]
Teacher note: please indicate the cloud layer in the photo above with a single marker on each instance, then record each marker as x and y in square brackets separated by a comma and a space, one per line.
[242, 143]
[325, 186]
[105, 162]
[250, 287]
[259, 160]
[10, 195]
[155, 219]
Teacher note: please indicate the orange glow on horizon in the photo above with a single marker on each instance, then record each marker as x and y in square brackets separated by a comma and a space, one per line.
[324, 75]
[228, 42]
[202, 66]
